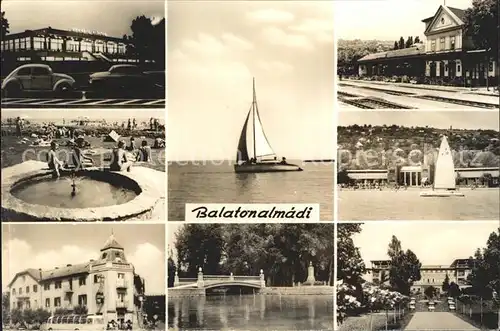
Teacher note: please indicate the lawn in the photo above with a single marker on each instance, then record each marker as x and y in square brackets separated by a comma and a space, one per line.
[14, 151]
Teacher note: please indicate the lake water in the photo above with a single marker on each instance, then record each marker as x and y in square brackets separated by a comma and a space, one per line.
[212, 183]
[251, 312]
[479, 204]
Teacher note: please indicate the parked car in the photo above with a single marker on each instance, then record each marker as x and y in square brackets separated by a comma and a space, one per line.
[452, 306]
[431, 307]
[124, 76]
[35, 78]
[412, 305]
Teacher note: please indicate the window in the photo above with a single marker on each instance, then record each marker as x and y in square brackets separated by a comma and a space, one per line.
[35, 288]
[121, 276]
[58, 284]
[490, 66]
[452, 42]
[24, 277]
[38, 43]
[104, 255]
[96, 278]
[20, 290]
[70, 281]
[441, 44]
[46, 287]
[82, 281]
[13, 291]
[28, 305]
[47, 303]
[82, 300]
[433, 45]
[41, 71]
[27, 289]
[57, 302]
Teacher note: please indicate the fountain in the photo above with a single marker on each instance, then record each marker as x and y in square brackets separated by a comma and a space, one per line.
[30, 193]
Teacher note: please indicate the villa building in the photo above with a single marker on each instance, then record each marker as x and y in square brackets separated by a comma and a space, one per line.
[447, 53]
[105, 286]
[431, 275]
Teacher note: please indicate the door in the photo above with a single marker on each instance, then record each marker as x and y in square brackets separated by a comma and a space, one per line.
[452, 69]
[41, 79]
[433, 69]
[24, 77]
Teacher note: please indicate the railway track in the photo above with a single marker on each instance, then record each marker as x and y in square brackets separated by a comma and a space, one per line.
[462, 102]
[372, 103]
[348, 95]
[387, 91]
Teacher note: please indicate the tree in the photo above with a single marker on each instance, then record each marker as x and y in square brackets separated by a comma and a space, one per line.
[430, 292]
[454, 290]
[404, 269]
[4, 26]
[80, 310]
[409, 42]
[446, 284]
[480, 21]
[401, 43]
[147, 41]
[171, 270]
[417, 40]
[485, 276]
[396, 45]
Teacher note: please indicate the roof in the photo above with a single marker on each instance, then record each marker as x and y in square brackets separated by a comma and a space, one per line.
[53, 273]
[66, 271]
[66, 33]
[460, 13]
[111, 243]
[415, 50]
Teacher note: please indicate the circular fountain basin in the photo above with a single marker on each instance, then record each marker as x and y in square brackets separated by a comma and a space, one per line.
[89, 191]
[30, 193]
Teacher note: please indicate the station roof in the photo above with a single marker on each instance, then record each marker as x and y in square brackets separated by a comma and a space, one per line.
[368, 175]
[416, 50]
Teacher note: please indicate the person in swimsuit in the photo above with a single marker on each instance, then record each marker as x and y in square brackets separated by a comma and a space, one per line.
[144, 154]
[119, 161]
[79, 160]
[53, 162]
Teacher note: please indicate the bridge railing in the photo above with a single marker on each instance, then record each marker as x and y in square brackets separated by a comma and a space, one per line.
[188, 280]
[227, 278]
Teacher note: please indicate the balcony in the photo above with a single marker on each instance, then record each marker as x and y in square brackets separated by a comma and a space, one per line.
[121, 283]
[121, 304]
[67, 289]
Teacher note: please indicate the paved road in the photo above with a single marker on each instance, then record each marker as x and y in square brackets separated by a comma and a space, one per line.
[81, 103]
[437, 321]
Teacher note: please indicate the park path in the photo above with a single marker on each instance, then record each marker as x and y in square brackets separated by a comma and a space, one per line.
[438, 321]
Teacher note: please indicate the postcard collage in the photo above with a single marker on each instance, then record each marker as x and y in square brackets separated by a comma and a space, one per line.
[250, 165]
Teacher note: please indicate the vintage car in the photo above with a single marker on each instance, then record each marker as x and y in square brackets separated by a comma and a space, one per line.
[35, 78]
[126, 76]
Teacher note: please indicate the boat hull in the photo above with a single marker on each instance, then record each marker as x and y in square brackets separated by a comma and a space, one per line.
[265, 167]
[441, 193]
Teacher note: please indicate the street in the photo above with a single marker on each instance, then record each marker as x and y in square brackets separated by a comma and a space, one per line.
[376, 95]
[81, 103]
[437, 321]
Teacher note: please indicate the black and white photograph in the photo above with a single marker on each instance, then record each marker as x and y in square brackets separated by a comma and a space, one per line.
[83, 54]
[250, 276]
[418, 165]
[80, 166]
[60, 276]
[418, 276]
[251, 103]
[418, 54]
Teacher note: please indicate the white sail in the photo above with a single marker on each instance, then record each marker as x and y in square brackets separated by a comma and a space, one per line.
[256, 142]
[444, 174]
[262, 146]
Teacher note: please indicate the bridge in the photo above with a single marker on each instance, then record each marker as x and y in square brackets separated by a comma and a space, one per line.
[213, 281]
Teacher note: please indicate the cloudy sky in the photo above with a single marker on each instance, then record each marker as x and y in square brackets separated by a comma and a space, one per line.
[214, 50]
[111, 17]
[436, 243]
[92, 114]
[53, 245]
[386, 19]
[437, 119]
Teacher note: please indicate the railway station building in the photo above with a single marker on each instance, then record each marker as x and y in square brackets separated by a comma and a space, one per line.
[446, 56]
[431, 275]
[105, 286]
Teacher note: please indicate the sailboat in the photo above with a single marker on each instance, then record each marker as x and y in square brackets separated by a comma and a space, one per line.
[444, 174]
[253, 138]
